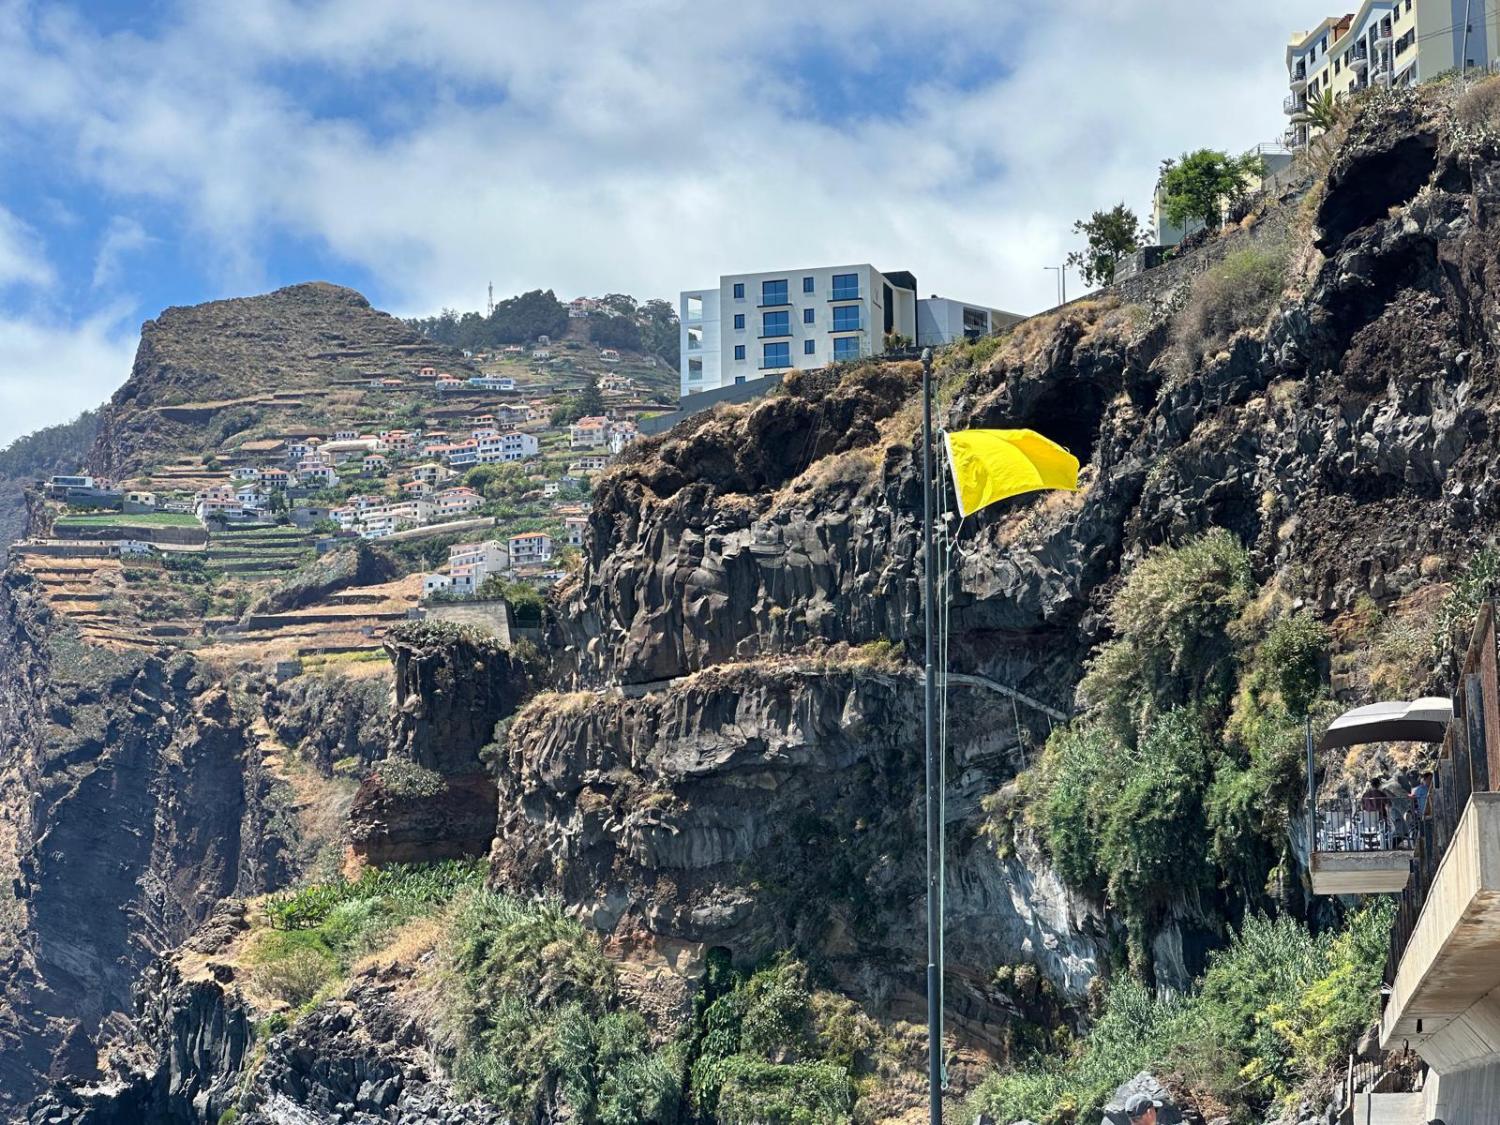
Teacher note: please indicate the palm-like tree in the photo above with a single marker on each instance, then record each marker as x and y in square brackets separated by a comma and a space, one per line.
[1322, 112]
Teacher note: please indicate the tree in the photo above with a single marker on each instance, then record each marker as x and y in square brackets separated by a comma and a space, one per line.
[1322, 112]
[621, 304]
[518, 320]
[590, 401]
[1111, 236]
[1201, 184]
[615, 332]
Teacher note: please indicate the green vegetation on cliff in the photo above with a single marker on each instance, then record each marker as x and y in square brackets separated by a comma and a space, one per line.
[1275, 1008]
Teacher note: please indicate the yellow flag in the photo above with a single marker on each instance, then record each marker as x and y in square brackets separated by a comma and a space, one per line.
[989, 465]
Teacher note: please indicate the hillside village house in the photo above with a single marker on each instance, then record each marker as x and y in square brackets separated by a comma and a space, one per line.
[754, 324]
[457, 501]
[591, 464]
[417, 488]
[530, 547]
[251, 498]
[345, 434]
[609, 355]
[1385, 43]
[374, 463]
[316, 473]
[274, 478]
[398, 441]
[493, 382]
[587, 433]
[139, 500]
[217, 502]
[430, 471]
[574, 528]
[621, 434]
[511, 446]
[244, 472]
[446, 382]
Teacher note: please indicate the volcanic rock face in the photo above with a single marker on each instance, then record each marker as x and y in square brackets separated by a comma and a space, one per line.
[1347, 442]
[130, 808]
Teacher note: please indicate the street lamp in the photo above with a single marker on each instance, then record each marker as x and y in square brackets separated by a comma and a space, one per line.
[1062, 282]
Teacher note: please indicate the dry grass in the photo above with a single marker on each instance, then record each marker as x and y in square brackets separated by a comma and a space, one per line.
[407, 946]
[1478, 107]
[1236, 295]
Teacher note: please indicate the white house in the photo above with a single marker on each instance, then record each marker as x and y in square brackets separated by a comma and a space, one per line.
[587, 433]
[573, 529]
[316, 473]
[493, 383]
[507, 447]
[530, 547]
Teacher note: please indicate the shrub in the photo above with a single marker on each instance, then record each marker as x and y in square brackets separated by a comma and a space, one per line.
[1460, 609]
[532, 1007]
[292, 966]
[1323, 1023]
[402, 778]
[1292, 653]
[1237, 293]
[761, 1093]
[1478, 107]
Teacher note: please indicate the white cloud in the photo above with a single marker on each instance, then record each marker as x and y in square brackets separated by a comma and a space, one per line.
[49, 370]
[122, 237]
[23, 261]
[643, 147]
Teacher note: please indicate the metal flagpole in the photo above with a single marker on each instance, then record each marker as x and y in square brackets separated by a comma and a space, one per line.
[934, 826]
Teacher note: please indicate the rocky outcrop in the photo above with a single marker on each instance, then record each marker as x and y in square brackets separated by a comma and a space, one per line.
[453, 685]
[768, 806]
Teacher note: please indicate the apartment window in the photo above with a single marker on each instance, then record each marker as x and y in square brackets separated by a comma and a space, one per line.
[739, 378]
[1337, 64]
[807, 316]
[695, 339]
[776, 324]
[807, 285]
[845, 287]
[773, 292]
[777, 355]
[695, 370]
[846, 347]
[739, 322]
[809, 347]
[739, 351]
[846, 318]
[739, 290]
[695, 307]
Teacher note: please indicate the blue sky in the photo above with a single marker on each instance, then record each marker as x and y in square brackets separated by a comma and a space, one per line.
[166, 153]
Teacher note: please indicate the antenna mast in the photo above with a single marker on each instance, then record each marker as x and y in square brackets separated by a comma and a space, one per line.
[489, 308]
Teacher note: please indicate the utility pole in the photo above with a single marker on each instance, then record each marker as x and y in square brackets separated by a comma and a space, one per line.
[1062, 282]
[934, 773]
[489, 308]
[1465, 59]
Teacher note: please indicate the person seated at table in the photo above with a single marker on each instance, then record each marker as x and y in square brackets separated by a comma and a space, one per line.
[1375, 810]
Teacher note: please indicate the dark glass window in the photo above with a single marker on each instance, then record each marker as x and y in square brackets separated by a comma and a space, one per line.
[809, 347]
[739, 351]
[846, 318]
[846, 347]
[807, 316]
[777, 355]
[807, 285]
[739, 290]
[846, 287]
[739, 322]
[776, 324]
[773, 292]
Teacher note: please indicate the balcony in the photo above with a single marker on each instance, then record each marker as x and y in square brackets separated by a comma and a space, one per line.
[1299, 77]
[1363, 846]
[1293, 105]
[1381, 35]
[775, 333]
[1360, 59]
[847, 325]
[774, 301]
[844, 295]
[771, 365]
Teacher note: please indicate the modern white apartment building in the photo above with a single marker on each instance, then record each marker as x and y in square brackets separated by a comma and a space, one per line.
[754, 324]
[1385, 43]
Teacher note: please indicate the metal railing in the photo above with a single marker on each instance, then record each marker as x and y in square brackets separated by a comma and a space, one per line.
[1372, 823]
[1463, 768]
[1293, 105]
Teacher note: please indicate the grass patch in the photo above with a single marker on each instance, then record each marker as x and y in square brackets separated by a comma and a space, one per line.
[1234, 295]
[133, 519]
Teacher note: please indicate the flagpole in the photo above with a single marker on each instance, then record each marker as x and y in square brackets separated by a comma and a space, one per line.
[934, 836]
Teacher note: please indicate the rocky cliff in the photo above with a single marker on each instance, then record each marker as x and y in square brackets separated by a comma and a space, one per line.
[730, 766]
